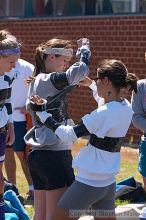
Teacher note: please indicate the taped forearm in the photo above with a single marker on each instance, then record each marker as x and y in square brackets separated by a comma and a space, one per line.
[71, 133]
[48, 120]
[51, 123]
[83, 54]
[80, 130]
[65, 133]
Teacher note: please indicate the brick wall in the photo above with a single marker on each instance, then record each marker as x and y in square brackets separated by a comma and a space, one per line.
[120, 37]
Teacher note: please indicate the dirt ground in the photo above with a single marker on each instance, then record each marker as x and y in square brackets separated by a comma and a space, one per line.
[129, 154]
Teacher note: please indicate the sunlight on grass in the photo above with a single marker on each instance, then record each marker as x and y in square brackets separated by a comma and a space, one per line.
[129, 164]
[119, 202]
[30, 210]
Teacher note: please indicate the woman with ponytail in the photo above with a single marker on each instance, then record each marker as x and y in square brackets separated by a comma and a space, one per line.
[50, 161]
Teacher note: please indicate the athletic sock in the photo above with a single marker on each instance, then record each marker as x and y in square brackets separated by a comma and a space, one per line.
[31, 188]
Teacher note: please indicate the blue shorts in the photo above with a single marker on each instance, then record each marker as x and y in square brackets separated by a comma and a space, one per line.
[20, 130]
[142, 158]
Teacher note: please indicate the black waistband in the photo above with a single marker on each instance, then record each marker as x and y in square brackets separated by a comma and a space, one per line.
[109, 144]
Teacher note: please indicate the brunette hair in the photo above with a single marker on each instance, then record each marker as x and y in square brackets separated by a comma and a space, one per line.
[40, 57]
[118, 74]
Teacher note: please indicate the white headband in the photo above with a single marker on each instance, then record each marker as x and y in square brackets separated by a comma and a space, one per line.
[59, 51]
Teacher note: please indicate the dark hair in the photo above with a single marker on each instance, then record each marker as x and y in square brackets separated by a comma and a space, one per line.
[118, 74]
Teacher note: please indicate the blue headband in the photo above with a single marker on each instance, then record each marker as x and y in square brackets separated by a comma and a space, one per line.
[7, 52]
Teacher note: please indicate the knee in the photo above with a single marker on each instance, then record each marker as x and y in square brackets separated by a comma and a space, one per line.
[60, 214]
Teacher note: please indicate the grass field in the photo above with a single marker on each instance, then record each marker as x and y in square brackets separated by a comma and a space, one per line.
[129, 160]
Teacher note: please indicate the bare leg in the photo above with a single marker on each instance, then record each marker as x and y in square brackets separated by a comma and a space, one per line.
[61, 214]
[1, 179]
[2, 209]
[24, 165]
[108, 216]
[52, 198]
[10, 165]
[39, 205]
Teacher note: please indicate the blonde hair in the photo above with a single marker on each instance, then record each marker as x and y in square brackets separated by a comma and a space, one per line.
[8, 42]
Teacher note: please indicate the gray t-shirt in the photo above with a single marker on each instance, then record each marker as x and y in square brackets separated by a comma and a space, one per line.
[138, 102]
[42, 138]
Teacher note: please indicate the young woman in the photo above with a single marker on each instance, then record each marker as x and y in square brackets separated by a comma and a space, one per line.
[9, 54]
[21, 72]
[50, 161]
[99, 161]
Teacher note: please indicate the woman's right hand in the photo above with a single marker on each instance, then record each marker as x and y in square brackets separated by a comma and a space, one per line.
[83, 42]
[36, 99]
[83, 50]
[85, 82]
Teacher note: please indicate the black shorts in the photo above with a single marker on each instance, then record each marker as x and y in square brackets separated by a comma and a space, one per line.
[51, 169]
